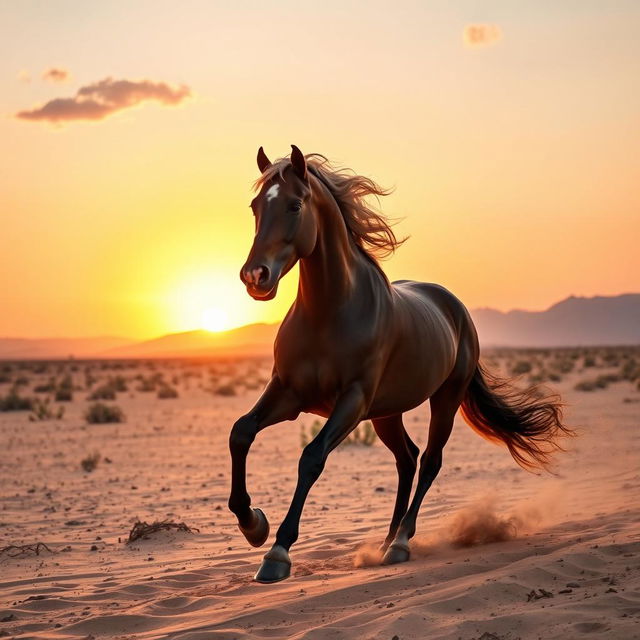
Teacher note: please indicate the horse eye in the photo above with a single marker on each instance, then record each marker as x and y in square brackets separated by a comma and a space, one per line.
[296, 206]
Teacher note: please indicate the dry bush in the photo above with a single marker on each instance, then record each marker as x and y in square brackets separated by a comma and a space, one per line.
[118, 384]
[103, 392]
[90, 462]
[48, 387]
[63, 395]
[630, 370]
[15, 402]
[166, 392]
[226, 390]
[100, 413]
[601, 382]
[521, 367]
[21, 550]
[42, 410]
[144, 530]
[364, 434]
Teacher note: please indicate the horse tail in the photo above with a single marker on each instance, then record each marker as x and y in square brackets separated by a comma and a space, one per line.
[528, 422]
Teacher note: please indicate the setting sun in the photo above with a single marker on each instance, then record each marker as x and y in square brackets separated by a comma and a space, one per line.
[215, 319]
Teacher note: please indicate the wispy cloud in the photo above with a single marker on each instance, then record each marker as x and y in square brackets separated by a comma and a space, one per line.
[55, 74]
[24, 76]
[104, 98]
[478, 35]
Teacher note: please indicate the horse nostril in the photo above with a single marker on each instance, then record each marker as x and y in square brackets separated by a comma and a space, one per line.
[260, 274]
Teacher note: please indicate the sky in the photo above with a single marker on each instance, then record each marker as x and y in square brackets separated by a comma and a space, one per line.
[509, 130]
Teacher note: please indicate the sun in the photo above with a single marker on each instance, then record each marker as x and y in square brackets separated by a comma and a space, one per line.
[214, 319]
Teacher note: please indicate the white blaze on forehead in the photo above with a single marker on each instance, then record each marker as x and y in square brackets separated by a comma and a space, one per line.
[272, 192]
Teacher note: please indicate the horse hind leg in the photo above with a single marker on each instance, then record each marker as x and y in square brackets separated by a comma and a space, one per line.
[392, 433]
[444, 404]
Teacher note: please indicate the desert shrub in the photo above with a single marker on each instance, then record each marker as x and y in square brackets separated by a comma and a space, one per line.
[42, 410]
[21, 381]
[363, 434]
[90, 462]
[15, 402]
[589, 361]
[118, 383]
[100, 413]
[89, 380]
[607, 378]
[166, 392]
[521, 367]
[63, 395]
[48, 387]
[601, 382]
[146, 386]
[66, 383]
[103, 392]
[630, 370]
[150, 383]
[226, 390]
[5, 378]
[314, 429]
[562, 365]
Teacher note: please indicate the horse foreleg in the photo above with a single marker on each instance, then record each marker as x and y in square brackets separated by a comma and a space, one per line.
[348, 412]
[393, 434]
[275, 405]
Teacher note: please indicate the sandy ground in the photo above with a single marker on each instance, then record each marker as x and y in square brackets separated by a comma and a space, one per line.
[574, 537]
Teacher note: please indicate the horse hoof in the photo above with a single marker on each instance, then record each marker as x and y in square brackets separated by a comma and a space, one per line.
[276, 566]
[396, 553]
[258, 532]
[383, 547]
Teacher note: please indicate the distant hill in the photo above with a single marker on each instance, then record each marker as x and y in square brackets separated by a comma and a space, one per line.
[601, 320]
[252, 339]
[53, 348]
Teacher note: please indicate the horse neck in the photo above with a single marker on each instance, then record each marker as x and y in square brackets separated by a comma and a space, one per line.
[328, 275]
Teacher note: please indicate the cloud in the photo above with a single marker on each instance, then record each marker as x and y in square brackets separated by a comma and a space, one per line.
[54, 74]
[478, 35]
[24, 76]
[104, 98]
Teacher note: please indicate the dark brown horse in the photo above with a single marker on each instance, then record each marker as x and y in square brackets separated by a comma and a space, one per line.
[354, 346]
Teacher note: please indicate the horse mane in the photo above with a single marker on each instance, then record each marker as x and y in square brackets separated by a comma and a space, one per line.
[370, 229]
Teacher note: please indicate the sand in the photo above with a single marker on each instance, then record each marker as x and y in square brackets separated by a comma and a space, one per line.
[553, 556]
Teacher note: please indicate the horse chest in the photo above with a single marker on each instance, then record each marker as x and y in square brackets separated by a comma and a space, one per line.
[316, 372]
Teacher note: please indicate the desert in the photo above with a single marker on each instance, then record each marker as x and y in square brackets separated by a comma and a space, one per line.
[500, 553]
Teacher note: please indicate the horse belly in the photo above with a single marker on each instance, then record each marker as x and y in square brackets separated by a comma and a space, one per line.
[423, 357]
[403, 387]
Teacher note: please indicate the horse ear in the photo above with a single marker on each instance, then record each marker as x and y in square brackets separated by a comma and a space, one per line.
[298, 162]
[263, 161]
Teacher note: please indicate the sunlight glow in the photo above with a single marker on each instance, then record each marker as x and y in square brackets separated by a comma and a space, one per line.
[215, 319]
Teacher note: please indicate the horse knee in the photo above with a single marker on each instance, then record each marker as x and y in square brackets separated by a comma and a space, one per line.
[242, 434]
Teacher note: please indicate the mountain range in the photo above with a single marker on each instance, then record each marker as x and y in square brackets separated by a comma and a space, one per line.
[575, 321]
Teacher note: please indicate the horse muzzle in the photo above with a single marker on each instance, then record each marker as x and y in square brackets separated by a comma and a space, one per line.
[261, 281]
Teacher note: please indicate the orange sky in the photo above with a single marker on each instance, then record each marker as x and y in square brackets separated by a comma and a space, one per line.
[513, 148]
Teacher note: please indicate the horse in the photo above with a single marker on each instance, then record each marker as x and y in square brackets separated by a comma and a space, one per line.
[354, 346]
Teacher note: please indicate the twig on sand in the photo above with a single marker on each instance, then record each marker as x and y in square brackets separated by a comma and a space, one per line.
[17, 550]
[144, 529]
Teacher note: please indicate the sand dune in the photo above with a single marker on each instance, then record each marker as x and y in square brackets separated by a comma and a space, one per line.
[556, 556]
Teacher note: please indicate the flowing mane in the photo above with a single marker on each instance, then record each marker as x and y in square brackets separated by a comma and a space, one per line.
[369, 228]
